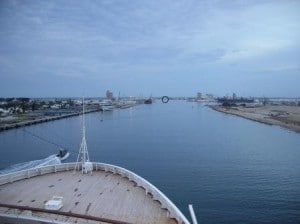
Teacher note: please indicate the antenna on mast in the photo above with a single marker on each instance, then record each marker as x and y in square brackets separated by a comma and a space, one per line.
[83, 155]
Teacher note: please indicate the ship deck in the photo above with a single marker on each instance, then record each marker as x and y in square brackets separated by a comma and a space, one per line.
[103, 194]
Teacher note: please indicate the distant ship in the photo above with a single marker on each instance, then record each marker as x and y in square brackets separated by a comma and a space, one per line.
[106, 105]
[148, 101]
[84, 192]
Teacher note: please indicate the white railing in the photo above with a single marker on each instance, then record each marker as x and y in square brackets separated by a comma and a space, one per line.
[157, 195]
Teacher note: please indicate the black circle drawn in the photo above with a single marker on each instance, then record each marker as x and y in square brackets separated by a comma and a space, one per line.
[165, 99]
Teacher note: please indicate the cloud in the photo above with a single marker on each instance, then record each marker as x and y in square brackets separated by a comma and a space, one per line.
[117, 39]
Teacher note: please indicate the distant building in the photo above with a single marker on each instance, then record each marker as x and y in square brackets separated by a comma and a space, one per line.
[204, 97]
[210, 96]
[234, 96]
[55, 106]
[3, 112]
[200, 96]
[109, 95]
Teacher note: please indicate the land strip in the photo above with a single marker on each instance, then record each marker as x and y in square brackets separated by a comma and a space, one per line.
[284, 116]
[26, 120]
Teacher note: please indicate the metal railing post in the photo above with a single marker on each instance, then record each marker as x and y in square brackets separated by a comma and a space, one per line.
[194, 220]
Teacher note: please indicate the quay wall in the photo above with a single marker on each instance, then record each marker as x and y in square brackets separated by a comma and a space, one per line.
[41, 120]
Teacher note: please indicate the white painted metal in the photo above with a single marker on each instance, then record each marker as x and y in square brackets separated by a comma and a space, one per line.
[83, 155]
[194, 219]
[55, 203]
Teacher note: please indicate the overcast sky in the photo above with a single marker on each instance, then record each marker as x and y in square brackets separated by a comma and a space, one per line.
[138, 48]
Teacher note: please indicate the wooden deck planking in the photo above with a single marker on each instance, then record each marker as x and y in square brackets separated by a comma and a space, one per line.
[103, 194]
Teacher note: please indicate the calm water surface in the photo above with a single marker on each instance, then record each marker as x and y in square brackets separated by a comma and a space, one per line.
[231, 169]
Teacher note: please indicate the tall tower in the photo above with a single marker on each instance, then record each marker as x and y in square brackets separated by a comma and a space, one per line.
[109, 95]
[234, 96]
[83, 155]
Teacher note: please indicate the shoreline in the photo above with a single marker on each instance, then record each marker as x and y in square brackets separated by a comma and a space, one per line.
[287, 117]
[42, 120]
